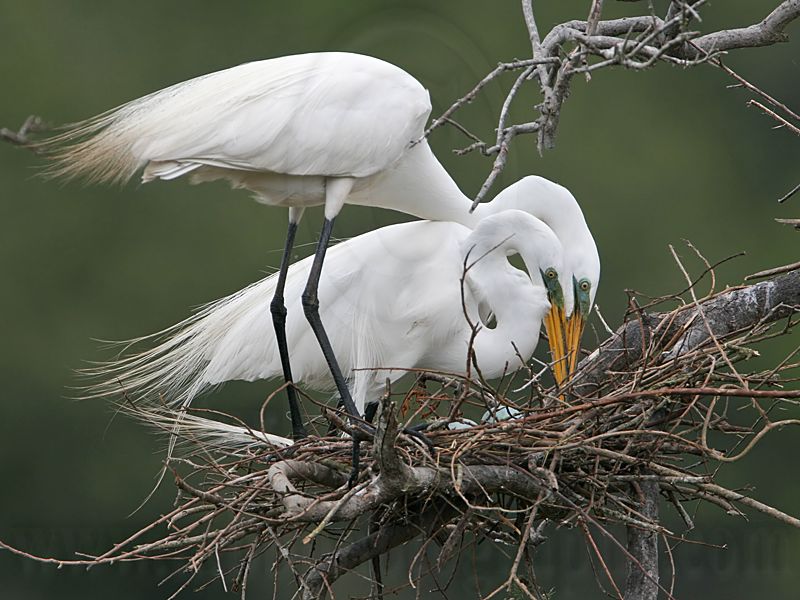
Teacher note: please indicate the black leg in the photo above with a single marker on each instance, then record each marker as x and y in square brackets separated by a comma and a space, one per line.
[278, 310]
[416, 432]
[311, 309]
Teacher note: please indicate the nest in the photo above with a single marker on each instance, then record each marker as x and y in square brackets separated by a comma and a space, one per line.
[650, 415]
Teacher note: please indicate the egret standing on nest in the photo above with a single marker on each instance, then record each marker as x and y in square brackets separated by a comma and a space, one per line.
[426, 305]
[297, 131]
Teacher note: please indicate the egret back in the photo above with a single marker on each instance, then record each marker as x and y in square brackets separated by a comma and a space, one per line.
[328, 114]
[381, 300]
[391, 300]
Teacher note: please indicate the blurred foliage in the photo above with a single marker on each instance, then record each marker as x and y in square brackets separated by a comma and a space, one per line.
[655, 157]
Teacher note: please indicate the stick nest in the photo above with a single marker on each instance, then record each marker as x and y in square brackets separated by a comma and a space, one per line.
[659, 406]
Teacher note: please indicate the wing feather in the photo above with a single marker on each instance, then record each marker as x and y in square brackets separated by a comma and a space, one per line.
[369, 295]
[234, 339]
[329, 114]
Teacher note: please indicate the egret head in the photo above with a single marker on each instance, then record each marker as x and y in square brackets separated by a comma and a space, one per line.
[555, 322]
[557, 279]
[557, 207]
[584, 262]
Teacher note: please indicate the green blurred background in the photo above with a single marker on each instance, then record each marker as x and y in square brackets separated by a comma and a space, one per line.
[654, 157]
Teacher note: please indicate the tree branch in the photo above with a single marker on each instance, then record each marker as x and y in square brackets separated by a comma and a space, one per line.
[632, 42]
[474, 479]
[767, 32]
[642, 580]
[21, 137]
[322, 575]
[730, 311]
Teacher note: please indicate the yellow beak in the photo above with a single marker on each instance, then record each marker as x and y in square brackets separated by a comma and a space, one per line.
[575, 326]
[564, 336]
[556, 327]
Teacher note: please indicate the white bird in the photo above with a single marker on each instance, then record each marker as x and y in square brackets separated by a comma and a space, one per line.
[304, 130]
[560, 211]
[384, 316]
[298, 131]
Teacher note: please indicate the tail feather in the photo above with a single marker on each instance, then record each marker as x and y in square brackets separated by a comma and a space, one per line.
[112, 146]
[177, 123]
[175, 370]
[190, 428]
[99, 149]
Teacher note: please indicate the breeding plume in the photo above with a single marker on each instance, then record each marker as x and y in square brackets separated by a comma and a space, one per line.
[304, 130]
[297, 131]
[384, 316]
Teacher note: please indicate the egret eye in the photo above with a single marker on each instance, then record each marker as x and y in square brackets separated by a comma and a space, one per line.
[551, 274]
[585, 286]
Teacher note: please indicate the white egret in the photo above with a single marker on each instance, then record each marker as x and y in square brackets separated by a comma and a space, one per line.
[304, 130]
[557, 207]
[384, 317]
[298, 131]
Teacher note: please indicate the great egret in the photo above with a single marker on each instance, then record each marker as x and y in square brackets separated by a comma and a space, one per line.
[322, 128]
[557, 207]
[384, 317]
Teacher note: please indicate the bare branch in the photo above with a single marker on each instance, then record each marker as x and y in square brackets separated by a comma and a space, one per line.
[782, 122]
[322, 575]
[730, 311]
[756, 90]
[642, 579]
[32, 124]
[634, 43]
[767, 32]
[790, 193]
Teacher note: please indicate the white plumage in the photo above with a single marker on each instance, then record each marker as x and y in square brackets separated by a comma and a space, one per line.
[187, 427]
[302, 130]
[323, 128]
[327, 114]
[280, 126]
[403, 311]
[297, 131]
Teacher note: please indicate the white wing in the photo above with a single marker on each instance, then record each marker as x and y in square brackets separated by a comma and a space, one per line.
[329, 114]
[387, 298]
[231, 338]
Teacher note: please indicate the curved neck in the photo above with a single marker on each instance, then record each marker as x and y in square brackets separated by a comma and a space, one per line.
[545, 200]
[418, 185]
[558, 209]
[518, 306]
